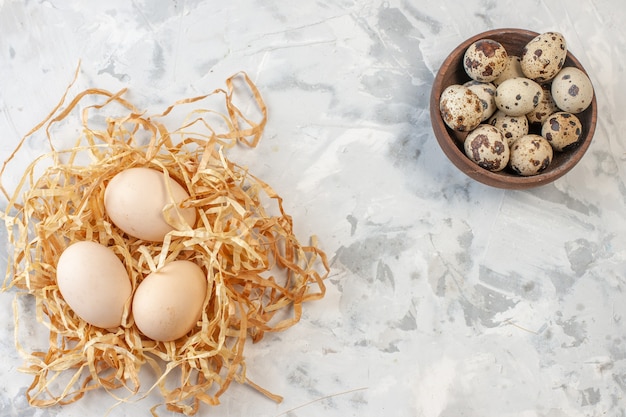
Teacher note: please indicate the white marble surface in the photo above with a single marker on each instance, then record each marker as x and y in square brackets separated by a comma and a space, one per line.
[447, 298]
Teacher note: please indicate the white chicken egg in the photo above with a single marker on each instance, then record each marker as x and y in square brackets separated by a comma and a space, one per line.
[168, 302]
[138, 199]
[94, 283]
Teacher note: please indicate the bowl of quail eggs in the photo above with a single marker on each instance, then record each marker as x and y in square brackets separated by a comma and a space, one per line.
[513, 108]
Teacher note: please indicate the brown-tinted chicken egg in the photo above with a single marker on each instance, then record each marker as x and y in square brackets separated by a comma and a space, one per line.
[145, 204]
[94, 283]
[168, 302]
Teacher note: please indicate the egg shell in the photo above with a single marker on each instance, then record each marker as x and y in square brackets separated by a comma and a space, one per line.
[167, 304]
[545, 108]
[137, 198]
[512, 127]
[572, 90]
[487, 147]
[544, 56]
[530, 155]
[460, 108]
[484, 60]
[562, 130]
[486, 93]
[94, 283]
[518, 96]
[513, 69]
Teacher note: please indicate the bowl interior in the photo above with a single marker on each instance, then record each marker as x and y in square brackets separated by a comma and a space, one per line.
[451, 141]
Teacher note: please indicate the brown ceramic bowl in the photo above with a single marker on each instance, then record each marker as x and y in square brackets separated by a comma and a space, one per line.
[451, 142]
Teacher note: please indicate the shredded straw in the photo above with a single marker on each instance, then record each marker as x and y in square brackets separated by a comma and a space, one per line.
[258, 274]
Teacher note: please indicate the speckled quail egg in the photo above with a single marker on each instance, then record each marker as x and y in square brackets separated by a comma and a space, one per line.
[513, 69]
[545, 108]
[486, 146]
[572, 90]
[484, 60]
[518, 96]
[543, 57]
[561, 130]
[530, 155]
[512, 127]
[486, 93]
[460, 108]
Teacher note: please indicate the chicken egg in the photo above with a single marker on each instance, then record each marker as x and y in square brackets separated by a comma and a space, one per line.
[168, 302]
[94, 283]
[138, 200]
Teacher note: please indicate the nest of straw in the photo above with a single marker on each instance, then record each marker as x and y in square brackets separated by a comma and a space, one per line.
[258, 274]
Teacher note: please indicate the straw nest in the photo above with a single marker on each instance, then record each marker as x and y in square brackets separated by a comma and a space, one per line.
[258, 274]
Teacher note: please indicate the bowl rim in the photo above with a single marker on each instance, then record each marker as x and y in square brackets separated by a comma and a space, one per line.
[463, 163]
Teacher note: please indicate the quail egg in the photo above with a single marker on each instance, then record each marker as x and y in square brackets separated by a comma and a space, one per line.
[518, 96]
[530, 155]
[486, 93]
[545, 108]
[513, 69]
[484, 60]
[543, 57]
[460, 108]
[572, 90]
[512, 127]
[561, 130]
[486, 146]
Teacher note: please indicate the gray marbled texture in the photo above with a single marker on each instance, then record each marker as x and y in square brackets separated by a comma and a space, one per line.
[446, 298]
